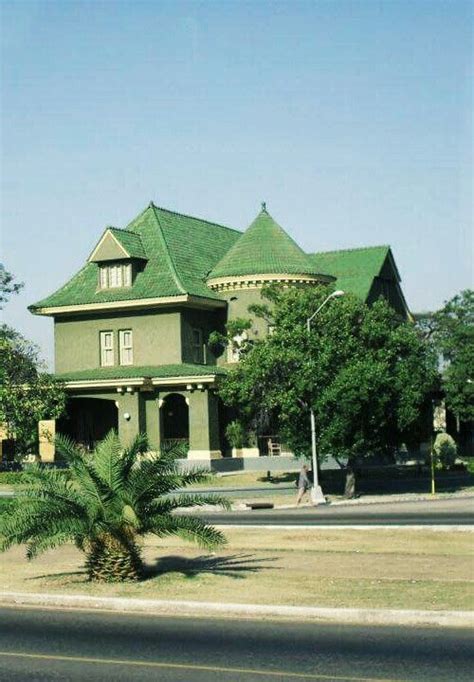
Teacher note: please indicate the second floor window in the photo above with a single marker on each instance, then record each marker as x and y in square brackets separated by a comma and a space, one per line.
[115, 276]
[106, 349]
[198, 354]
[126, 347]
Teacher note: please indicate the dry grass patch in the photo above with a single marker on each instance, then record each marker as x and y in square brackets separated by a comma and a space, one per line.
[399, 568]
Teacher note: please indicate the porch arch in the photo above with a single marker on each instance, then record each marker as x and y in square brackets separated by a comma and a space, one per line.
[174, 418]
[89, 420]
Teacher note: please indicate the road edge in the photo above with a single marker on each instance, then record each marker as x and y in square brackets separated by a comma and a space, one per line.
[352, 616]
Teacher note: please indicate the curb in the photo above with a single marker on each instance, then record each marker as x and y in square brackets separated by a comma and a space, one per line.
[210, 609]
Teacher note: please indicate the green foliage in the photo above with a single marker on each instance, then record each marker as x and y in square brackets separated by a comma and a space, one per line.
[217, 343]
[365, 372]
[452, 331]
[235, 336]
[11, 477]
[110, 499]
[27, 394]
[8, 286]
[235, 433]
[445, 450]
[470, 464]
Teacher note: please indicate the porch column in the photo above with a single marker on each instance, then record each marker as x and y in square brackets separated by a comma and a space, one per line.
[131, 416]
[46, 435]
[203, 425]
[152, 422]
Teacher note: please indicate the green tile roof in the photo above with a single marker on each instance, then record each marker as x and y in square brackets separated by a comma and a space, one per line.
[130, 241]
[131, 372]
[264, 248]
[180, 250]
[354, 269]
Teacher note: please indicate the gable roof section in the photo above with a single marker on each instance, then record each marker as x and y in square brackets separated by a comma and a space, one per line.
[116, 244]
[180, 251]
[355, 269]
[264, 248]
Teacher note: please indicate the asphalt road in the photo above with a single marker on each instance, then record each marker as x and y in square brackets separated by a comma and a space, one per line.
[77, 645]
[452, 512]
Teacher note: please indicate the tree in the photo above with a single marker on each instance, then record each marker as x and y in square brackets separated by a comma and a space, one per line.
[107, 501]
[8, 285]
[27, 394]
[365, 372]
[453, 337]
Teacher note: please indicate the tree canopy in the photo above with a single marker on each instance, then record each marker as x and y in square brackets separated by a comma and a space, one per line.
[365, 372]
[28, 394]
[8, 285]
[452, 331]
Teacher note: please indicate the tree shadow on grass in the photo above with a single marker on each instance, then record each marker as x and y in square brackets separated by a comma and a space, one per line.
[286, 477]
[71, 576]
[234, 566]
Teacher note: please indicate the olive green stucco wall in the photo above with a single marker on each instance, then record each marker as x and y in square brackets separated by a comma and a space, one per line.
[156, 339]
[238, 304]
[110, 250]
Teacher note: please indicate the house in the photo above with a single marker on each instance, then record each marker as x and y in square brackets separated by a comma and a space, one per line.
[132, 326]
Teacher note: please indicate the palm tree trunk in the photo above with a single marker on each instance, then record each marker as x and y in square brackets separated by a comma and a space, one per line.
[112, 561]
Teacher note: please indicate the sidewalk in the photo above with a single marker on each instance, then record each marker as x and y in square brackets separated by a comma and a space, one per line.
[386, 498]
[229, 610]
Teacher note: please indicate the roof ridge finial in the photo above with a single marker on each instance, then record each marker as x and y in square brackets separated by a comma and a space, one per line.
[151, 204]
[264, 206]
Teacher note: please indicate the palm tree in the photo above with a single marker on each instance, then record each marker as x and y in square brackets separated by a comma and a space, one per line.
[103, 503]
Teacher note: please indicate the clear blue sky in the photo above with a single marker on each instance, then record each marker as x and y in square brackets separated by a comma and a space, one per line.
[353, 120]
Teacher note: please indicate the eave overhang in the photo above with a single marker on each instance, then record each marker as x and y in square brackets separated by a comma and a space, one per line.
[259, 280]
[137, 304]
[140, 383]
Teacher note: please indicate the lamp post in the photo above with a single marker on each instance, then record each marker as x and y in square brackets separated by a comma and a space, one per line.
[317, 496]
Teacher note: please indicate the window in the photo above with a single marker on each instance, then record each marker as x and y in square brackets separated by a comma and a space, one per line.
[197, 346]
[126, 347]
[115, 275]
[106, 349]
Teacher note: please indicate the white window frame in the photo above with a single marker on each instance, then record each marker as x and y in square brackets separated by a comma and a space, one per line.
[103, 277]
[107, 355]
[125, 349]
[127, 274]
[115, 275]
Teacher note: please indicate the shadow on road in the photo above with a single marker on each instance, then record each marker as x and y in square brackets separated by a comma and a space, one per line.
[234, 566]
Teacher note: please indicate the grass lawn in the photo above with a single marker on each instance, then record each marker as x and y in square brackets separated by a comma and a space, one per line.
[399, 568]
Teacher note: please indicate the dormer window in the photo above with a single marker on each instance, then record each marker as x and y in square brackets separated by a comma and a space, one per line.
[115, 275]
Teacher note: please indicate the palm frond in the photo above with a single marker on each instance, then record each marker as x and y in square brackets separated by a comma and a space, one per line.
[106, 462]
[131, 454]
[189, 528]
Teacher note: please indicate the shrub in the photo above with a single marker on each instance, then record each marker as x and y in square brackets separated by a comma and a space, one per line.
[445, 450]
[11, 477]
[235, 434]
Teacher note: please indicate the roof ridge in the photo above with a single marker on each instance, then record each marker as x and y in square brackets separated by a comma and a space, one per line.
[123, 229]
[193, 217]
[354, 248]
[174, 271]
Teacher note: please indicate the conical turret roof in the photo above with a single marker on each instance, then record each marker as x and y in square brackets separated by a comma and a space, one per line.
[263, 249]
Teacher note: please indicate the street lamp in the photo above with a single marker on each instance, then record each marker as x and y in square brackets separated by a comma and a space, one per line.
[317, 496]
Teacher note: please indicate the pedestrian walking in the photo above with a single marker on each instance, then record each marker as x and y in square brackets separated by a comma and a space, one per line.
[303, 483]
